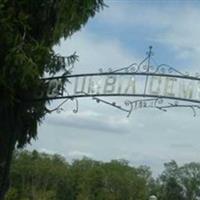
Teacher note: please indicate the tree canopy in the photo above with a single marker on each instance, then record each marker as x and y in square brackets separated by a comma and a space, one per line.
[42, 176]
[29, 30]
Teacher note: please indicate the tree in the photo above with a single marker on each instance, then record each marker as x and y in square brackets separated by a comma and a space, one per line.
[39, 176]
[190, 180]
[29, 30]
[171, 187]
[180, 182]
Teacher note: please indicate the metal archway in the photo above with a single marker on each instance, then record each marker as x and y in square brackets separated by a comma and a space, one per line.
[151, 86]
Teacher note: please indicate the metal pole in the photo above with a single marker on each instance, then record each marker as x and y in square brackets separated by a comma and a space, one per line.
[148, 68]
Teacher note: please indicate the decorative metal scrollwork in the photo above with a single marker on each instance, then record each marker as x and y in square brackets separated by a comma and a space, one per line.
[158, 103]
[59, 108]
[148, 67]
[57, 88]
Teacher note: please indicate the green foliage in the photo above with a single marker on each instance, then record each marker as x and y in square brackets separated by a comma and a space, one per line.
[29, 30]
[41, 176]
[49, 177]
[179, 183]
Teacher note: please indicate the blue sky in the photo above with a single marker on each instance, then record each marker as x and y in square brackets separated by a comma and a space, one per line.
[115, 37]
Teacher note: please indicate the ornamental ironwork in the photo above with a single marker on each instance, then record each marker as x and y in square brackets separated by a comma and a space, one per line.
[143, 85]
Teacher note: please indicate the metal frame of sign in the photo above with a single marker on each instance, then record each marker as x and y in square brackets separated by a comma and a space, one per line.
[144, 69]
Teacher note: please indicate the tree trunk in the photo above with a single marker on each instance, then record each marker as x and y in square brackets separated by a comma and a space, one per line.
[7, 146]
[6, 151]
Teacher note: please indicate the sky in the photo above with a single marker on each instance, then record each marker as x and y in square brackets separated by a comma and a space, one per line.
[116, 37]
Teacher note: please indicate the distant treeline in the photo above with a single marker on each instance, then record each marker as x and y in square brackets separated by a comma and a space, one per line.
[40, 176]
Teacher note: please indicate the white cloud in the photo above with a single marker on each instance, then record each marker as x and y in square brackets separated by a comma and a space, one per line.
[79, 154]
[174, 25]
[96, 52]
[133, 15]
[90, 120]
